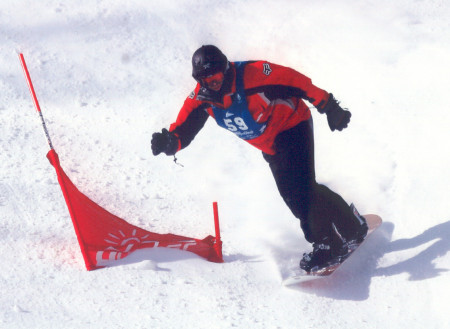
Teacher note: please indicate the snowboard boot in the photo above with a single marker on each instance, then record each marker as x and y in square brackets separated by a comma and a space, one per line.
[359, 235]
[323, 255]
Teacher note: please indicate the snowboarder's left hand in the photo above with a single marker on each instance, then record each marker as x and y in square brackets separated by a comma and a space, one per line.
[337, 117]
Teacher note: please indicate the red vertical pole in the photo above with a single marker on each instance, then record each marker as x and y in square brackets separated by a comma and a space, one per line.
[54, 160]
[35, 100]
[218, 244]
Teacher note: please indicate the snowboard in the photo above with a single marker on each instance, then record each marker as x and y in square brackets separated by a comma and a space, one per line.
[300, 276]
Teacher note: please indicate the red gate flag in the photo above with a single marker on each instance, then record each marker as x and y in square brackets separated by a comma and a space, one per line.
[104, 237]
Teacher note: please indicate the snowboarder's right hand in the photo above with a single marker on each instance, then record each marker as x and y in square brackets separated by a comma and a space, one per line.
[164, 142]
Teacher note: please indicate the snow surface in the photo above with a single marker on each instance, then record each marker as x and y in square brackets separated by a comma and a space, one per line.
[110, 73]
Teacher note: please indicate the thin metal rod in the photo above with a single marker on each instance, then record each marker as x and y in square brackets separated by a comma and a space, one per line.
[35, 100]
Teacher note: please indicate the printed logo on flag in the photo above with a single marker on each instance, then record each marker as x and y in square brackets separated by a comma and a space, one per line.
[121, 245]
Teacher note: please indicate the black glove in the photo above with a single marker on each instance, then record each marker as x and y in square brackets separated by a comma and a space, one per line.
[165, 142]
[337, 117]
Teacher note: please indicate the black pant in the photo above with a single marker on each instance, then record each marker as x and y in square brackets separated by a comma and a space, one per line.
[317, 207]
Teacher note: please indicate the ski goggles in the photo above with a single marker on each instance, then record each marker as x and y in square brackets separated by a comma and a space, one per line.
[214, 81]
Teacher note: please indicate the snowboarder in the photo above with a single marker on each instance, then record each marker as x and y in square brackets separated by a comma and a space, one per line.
[263, 103]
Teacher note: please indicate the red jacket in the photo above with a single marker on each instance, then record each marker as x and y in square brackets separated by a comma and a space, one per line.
[274, 94]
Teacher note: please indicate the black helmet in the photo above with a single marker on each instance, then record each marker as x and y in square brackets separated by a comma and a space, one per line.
[208, 60]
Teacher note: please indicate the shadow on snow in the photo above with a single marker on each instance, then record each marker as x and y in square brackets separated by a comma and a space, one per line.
[352, 280]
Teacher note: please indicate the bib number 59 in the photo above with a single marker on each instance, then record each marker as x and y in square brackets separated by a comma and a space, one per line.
[235, 124]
